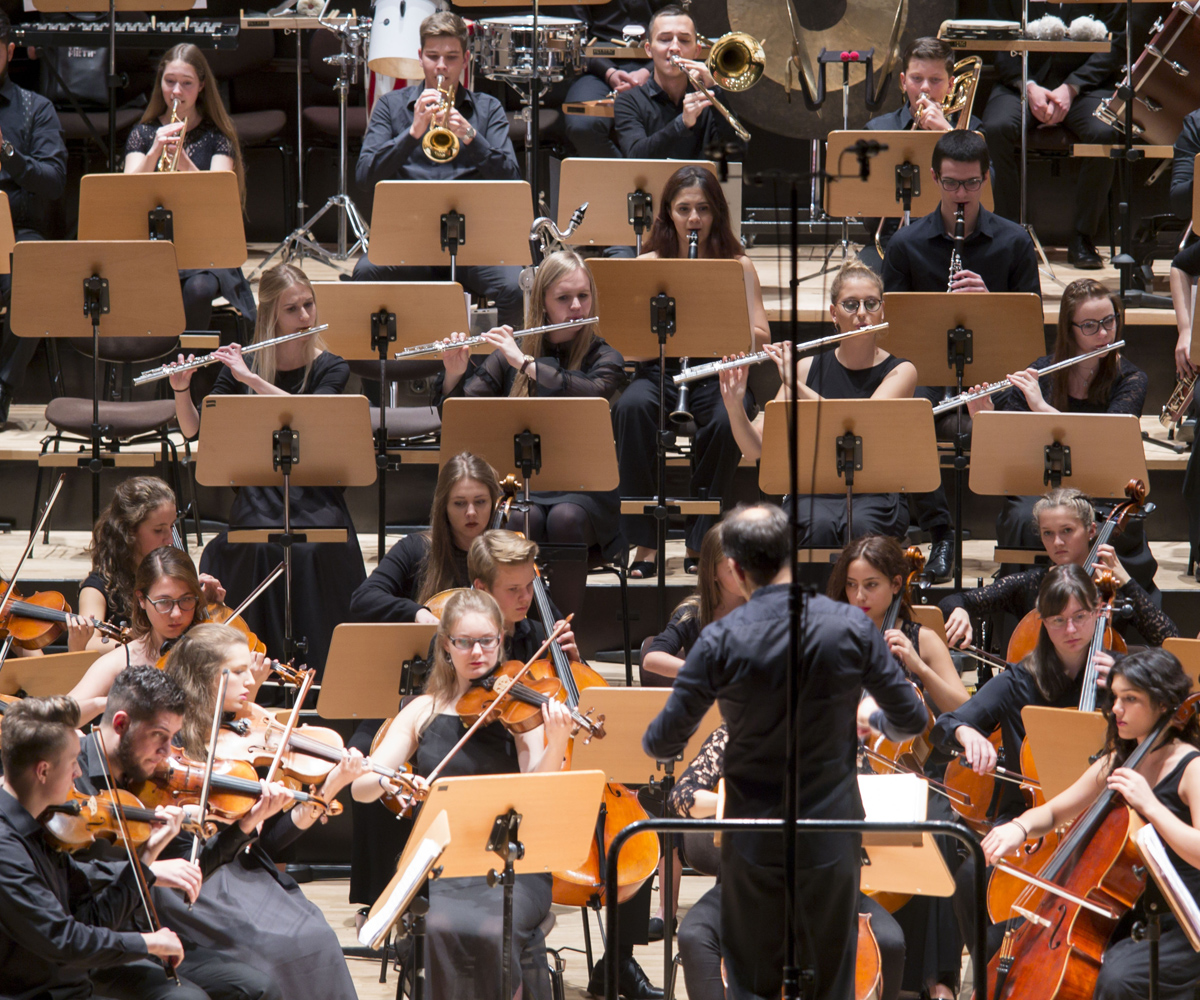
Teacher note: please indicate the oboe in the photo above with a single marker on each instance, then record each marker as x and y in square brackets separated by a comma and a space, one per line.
[956, 262]
[991, 389]
[438, 346]
[166, 371]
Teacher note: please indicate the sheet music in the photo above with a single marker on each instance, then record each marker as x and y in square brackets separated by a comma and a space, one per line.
[894, 798]
[1178, 896]
[403, 888]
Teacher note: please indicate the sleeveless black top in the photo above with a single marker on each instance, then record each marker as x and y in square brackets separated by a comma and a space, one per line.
[831, 379]
[492, 750]
[1167, 791]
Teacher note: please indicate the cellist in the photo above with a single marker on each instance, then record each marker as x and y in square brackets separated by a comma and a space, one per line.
[1164, 788]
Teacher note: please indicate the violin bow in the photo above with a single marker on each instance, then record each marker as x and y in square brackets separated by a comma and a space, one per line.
[305, 684]
[553, 636]
[134, 861]
[257, 592]
[32, 538]
[218, 711]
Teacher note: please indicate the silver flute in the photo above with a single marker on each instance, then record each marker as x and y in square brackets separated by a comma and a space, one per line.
[954, 402]
[166, 371]
[438, 346]
[714, 367]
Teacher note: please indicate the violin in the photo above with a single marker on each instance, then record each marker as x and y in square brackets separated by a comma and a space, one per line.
[868, 966]
[83, 819]
[40, 619]
[521, 710]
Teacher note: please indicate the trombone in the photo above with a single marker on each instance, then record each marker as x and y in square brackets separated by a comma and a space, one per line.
[736, 62]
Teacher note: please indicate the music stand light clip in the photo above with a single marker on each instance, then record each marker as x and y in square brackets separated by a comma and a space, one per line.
[161, 224]
[1058, 464]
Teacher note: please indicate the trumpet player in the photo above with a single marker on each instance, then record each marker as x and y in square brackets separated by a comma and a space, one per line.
[392, 151]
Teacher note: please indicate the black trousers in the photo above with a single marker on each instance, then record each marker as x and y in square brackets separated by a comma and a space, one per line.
[497, 283]
[1002, 127]
[1125, 972]
[635, 425]
[15, 352]
[591, 135]
[204, 975]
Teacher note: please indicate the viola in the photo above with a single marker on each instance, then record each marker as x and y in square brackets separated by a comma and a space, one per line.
[868, 966]
[40, 619]
[83, 819]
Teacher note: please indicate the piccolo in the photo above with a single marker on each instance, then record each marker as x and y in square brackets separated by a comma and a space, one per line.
[438, 346]
[713, 367]
[954, 402]
[165, 371]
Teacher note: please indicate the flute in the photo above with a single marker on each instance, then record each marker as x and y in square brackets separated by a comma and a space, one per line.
[438, 346]
[991, 389]
[165, 371]
[713, 367]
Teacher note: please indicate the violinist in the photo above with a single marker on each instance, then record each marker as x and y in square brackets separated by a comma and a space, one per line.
[59, 917]
[857, 368]
[574, 362]
[871, 575]
[249, 909]
[1163, 787]
[324, 575]
[1066, 526]
[1051, 675]
[168, 600]
[463, 927]
[143, 713]
[692, 201]
[139, 519]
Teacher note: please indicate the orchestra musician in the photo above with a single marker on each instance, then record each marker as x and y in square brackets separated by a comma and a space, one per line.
[691, 200]
[741, 661]
[391, 150]
[324, 575]
[998, 256]
[575, 363]
[856, 368]
[185, 89]
[463, 926]
[1164, 789]
[249, 909]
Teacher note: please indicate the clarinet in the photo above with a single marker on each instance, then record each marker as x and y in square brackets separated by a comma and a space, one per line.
[680, 414]
[956, 262]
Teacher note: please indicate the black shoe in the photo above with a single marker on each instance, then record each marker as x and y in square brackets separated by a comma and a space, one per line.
[6, 398]
[633, 984]
[941, 560]
[1081, 253]
[655, 931]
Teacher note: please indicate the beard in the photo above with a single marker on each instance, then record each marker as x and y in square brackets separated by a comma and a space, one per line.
[133, 772]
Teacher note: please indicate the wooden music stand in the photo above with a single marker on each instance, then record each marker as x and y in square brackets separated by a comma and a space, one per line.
[1024, 454]
[285, 440]
[401, 891]
[620, 195]
[199, 211]
[7, 238]
[369, 320]
[133, 286]
[909, 863]
[42, 676]
[930, 616]
[1187, 651]
[370, 668]
[868, 445]
[1062, 741]
[419, 223]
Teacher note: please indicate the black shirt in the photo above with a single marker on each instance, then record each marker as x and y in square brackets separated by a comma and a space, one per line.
[202, 142]
[390, 593]
[1183, 166]
[830, 379]
[1127, 394]
[741, 662]
[681, 633]
[390, 153]
[999, 251]
[901, 120]
[606, 22]
[56, 914]
[650, 126]
[35, 175]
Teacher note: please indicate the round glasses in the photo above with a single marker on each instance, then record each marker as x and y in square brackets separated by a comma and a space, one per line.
[1079, 620]
[851, 306]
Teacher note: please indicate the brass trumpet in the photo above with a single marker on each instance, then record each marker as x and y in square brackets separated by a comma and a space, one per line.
[439, 143]
[168, 160]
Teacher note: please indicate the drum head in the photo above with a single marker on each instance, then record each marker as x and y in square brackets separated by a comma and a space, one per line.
[396, 38]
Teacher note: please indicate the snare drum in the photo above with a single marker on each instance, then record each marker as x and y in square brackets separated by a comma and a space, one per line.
[504, 48]
[1166, 81]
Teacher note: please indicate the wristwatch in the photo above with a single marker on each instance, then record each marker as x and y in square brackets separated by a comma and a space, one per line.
[471, 133]
[529, 359]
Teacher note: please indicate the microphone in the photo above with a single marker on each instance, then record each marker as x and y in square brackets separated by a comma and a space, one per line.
[864, 149]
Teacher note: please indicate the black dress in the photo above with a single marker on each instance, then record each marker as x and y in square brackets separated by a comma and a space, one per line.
[202, 143]
[465, 918]
[323, 575]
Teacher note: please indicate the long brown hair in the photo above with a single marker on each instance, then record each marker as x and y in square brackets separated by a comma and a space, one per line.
[438, 574]
[1065, 346]
[175, 564]
[209, 102]
[194, 664]
[274, 282]
[1060, 585]
[882, 552]
[704, 602]
[554, 268]
[1161, 677]
[664, 240]
[114, 535]
[442, 685]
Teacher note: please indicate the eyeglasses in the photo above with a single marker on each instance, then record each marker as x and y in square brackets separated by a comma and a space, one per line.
[970, 184]
[1060, 622]
[164, 604]
[466, 642]
[850, 306]
[1091, 327]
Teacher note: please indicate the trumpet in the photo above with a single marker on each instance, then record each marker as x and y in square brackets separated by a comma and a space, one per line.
[439, 143]
[954, 402]
[165, 371]
[438, 346]
[736, 125]
[168, 160]
[715, 367]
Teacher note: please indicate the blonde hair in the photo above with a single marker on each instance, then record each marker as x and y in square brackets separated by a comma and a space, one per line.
[1067, 497]
[442, 685]
[494, 549]
[271, 286]
[438, 574]
[704, 602]
[553, 269]
[852, 268]
[194, 664]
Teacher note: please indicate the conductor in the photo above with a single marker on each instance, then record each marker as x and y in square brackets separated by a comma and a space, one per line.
[742, 661]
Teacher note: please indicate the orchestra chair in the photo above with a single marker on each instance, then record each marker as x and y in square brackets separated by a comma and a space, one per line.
[648, 678]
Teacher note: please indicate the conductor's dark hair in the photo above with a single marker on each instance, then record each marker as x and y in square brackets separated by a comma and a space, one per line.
[142, 693]
[1161, 677]
[756, 537]
[961, 146]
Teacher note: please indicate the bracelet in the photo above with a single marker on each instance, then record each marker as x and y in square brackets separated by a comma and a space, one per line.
[1021, 827]
[178, 391]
